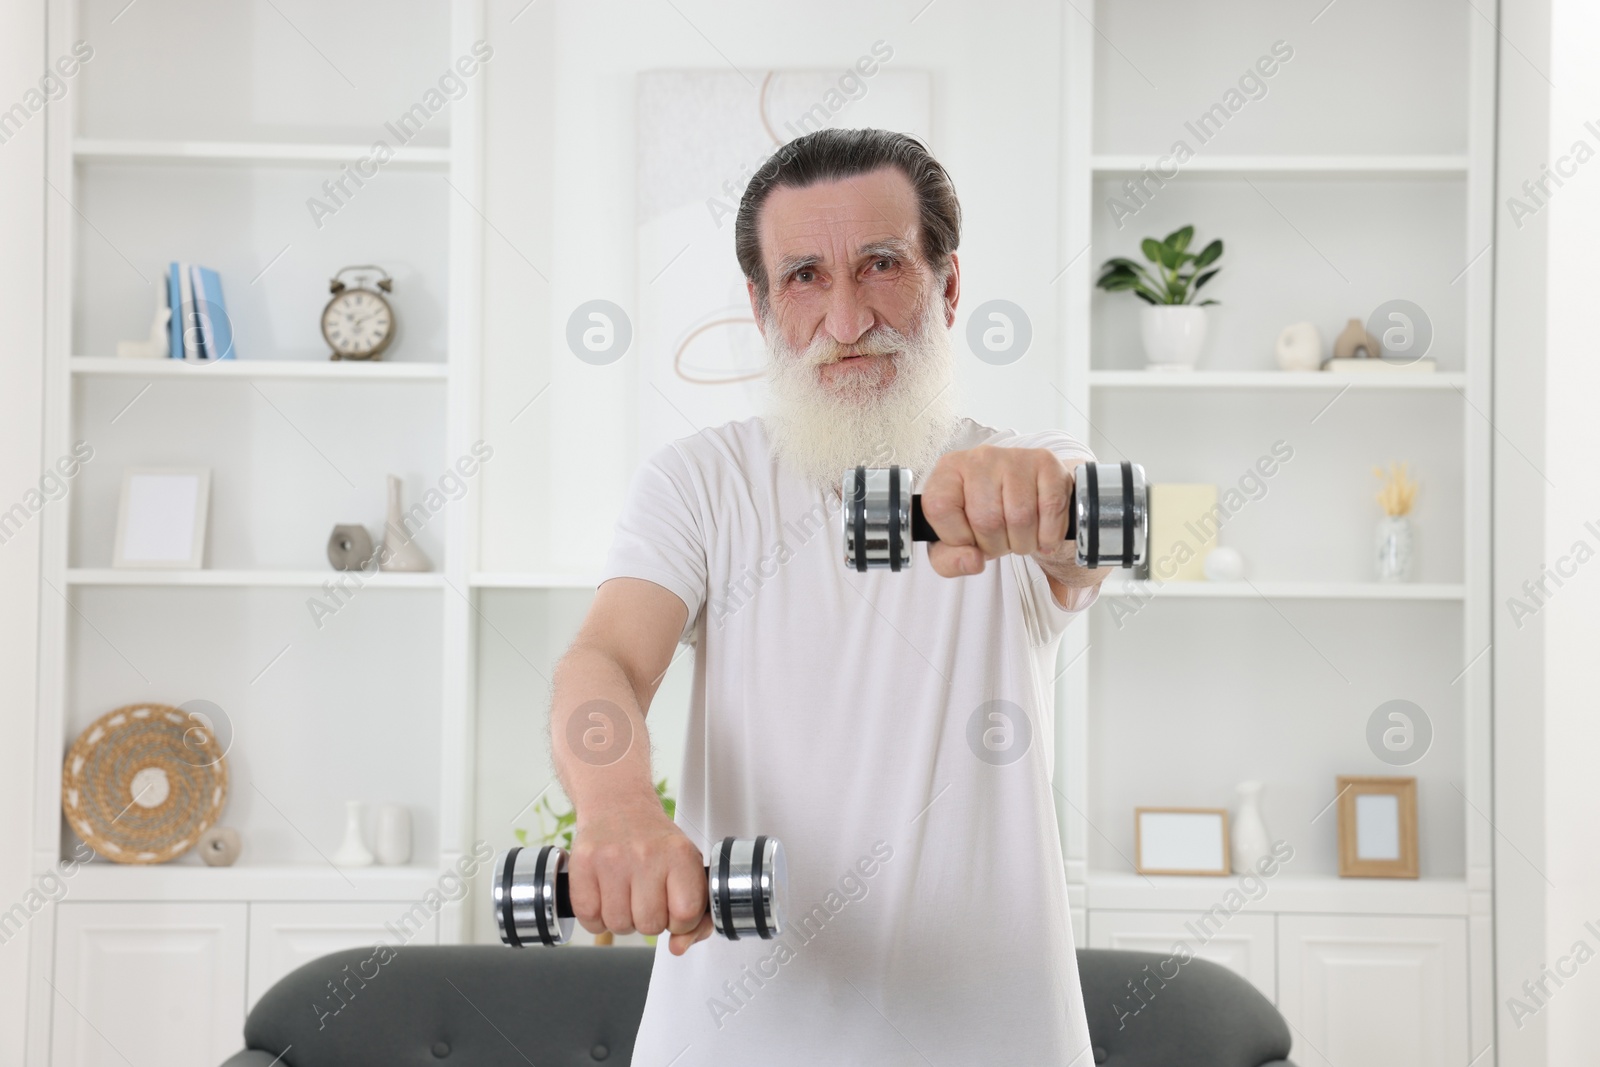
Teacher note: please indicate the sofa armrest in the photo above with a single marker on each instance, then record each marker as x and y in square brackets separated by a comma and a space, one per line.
[254, 1057]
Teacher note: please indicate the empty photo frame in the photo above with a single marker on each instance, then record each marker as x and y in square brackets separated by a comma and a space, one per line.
[1181, 840]
[1377, 827]
[161, 520]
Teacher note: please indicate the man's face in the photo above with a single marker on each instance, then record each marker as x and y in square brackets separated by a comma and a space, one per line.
[844, 258]
[857, 329]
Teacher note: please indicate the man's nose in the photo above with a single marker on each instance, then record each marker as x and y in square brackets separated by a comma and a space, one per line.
[848, 317]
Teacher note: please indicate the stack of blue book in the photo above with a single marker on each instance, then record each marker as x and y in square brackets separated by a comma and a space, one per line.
[201, 330]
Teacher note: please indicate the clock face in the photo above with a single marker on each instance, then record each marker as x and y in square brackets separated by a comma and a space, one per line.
[357, 323]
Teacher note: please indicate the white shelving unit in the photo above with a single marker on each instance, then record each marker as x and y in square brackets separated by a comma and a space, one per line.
[248, 153]
[260, 578]
[233, 370]
[1358, 165]
[374, 704]
[1219, 379]
[1274, 678]
[1123, 587]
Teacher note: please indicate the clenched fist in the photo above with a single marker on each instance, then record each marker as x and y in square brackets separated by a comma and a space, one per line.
[989, 502]
[632, 869]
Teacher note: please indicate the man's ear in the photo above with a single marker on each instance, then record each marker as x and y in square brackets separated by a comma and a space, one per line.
[755, 311]
[952, 291]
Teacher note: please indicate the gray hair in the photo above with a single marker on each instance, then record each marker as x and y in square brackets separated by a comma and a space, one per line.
[832, 154]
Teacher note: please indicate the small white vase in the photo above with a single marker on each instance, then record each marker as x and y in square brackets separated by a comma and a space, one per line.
[400, 552]
[392, 841]
[1173, 335]
[1251, 842]
[1393, 546]
[353, 852]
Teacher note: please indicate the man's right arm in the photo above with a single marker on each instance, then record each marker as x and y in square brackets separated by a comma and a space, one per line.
[631, 868]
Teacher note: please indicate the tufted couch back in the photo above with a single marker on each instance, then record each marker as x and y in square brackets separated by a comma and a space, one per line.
[489, 1006]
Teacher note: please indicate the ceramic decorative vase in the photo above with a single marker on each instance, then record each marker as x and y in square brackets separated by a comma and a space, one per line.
[1299, 347]
[353, 852]
[400, 551]
[219, 846]
[1173, 335]
[1393, 545]
[392, 842]
[1251, 842]
[349, 547]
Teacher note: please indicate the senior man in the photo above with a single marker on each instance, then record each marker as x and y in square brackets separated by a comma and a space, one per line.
[894, 730]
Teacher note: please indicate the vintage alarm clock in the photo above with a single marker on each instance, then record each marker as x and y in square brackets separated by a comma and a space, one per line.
[358, 322]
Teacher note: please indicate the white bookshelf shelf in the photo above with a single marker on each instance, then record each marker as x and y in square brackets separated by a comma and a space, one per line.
[257, 578]
[335, 370]
[1328, 165]
[1310, 380]
[532, 580]
[1327, 894]
[101, 150]
[312, 881]
[1122, 587]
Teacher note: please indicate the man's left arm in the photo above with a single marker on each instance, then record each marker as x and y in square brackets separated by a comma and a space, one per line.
[992, 501]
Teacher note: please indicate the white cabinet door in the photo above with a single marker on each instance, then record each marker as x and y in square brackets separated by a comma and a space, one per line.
[147, 983]
[283, 936]
[1365, 991]
[1244, 944]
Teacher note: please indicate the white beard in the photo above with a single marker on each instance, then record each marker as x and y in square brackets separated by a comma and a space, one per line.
[819, 433]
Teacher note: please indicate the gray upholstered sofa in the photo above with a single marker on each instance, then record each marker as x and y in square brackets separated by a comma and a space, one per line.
[469, 1004]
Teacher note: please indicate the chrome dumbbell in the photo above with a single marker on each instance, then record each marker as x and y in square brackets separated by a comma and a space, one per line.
[1110, 516]
[747, 883]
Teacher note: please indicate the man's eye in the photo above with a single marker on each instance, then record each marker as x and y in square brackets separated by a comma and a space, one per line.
[884, 261]
[803, 275]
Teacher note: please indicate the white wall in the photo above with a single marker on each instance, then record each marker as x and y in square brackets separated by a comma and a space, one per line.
[1519, 530]
[22, 193]
[1572, 498]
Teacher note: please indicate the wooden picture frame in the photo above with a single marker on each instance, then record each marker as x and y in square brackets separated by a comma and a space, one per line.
[161, 518]
[1181, 841]
[1377, 827]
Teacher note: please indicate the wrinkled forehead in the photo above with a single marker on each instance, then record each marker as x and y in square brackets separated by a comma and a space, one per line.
[840, 221]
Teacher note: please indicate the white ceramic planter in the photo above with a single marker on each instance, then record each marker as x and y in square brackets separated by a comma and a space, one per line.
[1173, 335]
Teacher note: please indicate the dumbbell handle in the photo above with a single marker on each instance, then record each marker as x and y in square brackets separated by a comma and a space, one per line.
[921, 531]
[564, 899]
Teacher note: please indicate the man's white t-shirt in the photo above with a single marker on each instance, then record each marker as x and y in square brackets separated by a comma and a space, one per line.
[896, 732]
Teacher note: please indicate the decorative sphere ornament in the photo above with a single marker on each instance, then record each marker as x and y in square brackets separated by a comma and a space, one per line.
[1224, 565]
[1299, 347]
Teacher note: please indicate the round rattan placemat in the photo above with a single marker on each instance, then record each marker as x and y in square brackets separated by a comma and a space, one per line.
[143, 782]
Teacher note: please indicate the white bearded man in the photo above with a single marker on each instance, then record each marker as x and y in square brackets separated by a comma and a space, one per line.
[851, 715]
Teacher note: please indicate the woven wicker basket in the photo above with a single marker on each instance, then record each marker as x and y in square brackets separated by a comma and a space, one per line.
[143, 782]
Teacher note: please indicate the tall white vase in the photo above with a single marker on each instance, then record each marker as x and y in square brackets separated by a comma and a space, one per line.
[400, 551]
[392, 840]
[1251, 842]
[353, 852]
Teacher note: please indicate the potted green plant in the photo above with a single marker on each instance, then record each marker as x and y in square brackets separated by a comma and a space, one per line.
[1172, 324]
[558, 831]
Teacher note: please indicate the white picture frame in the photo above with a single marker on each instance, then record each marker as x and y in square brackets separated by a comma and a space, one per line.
[1191, 841]
[161, 518]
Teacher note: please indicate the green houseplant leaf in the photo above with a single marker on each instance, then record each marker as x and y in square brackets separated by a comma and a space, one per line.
[1174, 276]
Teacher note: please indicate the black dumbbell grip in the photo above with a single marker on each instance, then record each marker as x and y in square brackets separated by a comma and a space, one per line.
[921, 531]
[564, 900]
